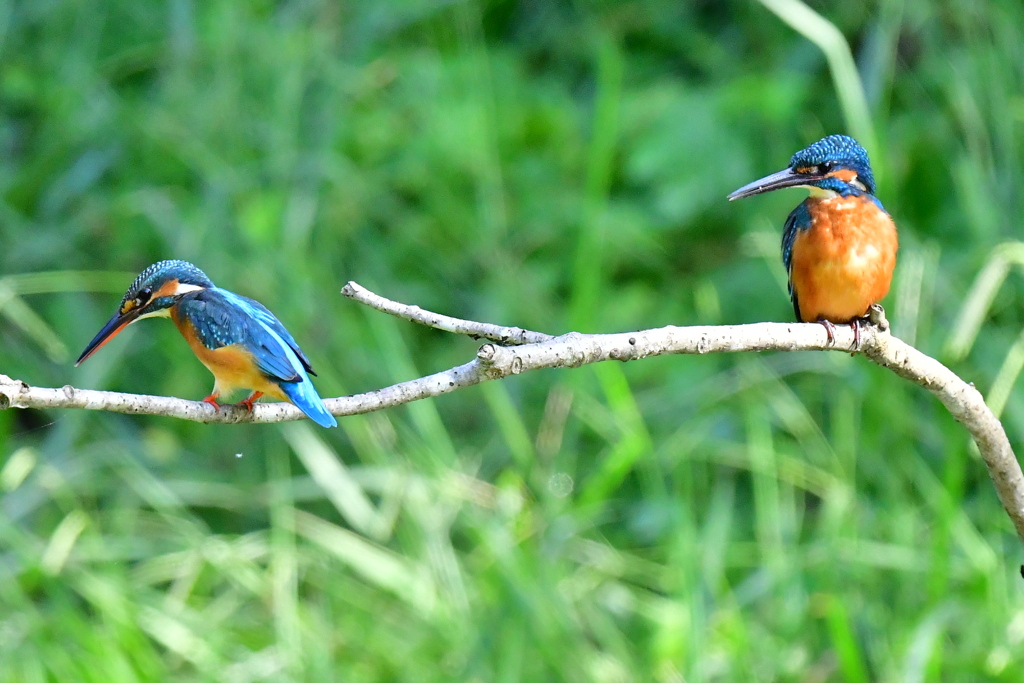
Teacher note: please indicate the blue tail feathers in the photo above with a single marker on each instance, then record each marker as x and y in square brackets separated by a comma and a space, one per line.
[304, 396]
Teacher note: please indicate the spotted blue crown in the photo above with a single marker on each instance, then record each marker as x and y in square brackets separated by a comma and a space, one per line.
[162, 271]
[837, 151]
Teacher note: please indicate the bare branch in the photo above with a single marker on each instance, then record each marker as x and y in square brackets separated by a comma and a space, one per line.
[968, 407]
[512, 336]
[492, 362]
[572, 350]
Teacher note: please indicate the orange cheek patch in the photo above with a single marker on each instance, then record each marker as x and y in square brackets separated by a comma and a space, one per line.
[166, 289]
[844, 174]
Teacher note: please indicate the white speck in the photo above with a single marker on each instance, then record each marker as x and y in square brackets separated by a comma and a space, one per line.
[560, 484]
[238, 455]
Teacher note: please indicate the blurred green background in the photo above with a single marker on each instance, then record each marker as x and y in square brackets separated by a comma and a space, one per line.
[554, 165]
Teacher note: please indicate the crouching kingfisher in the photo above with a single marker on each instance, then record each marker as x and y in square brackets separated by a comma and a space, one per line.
[238, 339]
[839, 245]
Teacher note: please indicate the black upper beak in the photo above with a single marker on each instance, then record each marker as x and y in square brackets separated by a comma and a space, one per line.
[109, 331]
[776, 181]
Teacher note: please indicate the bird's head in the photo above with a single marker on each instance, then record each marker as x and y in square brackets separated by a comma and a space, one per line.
[154, 291]
[831, 166]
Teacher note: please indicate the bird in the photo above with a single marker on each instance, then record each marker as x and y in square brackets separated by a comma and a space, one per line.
[839, 245]
[236, 338]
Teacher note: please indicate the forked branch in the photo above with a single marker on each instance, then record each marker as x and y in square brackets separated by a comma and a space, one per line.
[516, 350]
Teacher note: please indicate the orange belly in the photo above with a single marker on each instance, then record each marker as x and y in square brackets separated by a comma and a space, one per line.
[233, 367]
[843, 263]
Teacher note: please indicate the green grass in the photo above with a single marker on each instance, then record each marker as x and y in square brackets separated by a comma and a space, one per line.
[787, 517]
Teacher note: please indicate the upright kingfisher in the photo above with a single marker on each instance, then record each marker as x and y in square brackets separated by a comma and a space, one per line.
[236, 338]
[839, 245]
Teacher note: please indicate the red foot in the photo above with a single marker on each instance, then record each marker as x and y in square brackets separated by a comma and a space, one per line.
[212, 400]
[855, 324]
[830, 330]
[253, 397]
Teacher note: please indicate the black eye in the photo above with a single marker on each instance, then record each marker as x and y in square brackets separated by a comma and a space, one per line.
[143, 296]
[825, 167]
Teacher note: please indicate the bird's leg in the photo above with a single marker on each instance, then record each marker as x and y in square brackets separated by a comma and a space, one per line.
[212, 400]
[855, 324]
[830, 330]
[253, 397]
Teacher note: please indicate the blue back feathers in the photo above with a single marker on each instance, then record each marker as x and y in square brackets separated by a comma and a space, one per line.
[836, 151]
[798, 219]
[222, 318]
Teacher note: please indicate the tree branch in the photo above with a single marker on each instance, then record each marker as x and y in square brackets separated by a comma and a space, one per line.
[535, 351]
[509, 336]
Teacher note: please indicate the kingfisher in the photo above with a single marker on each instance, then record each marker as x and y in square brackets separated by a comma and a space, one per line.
[839, 245]
[236, 338]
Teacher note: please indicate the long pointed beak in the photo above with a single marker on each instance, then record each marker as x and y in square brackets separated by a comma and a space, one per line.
[776, 181]
[109, 331]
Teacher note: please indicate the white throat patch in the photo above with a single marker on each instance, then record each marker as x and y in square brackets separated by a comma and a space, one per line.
[161, 313]
[820, 193]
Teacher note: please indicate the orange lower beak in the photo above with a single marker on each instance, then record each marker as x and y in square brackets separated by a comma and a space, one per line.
[109, 331]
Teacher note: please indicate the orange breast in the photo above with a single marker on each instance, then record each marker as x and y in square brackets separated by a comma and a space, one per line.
[233, 366]
[843, 263]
